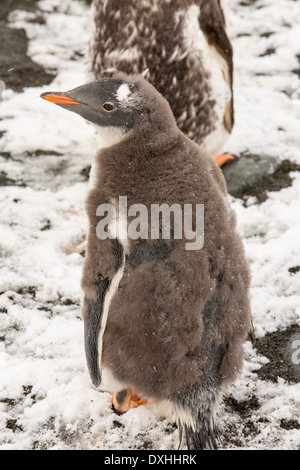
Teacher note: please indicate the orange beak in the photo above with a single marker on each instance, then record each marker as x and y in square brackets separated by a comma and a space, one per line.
[58, 99]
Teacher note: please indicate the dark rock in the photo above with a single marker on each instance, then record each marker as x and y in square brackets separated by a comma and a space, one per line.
[269, 51]
[294, 269]
[27, 389]
[46, 226]
[267, 34]
[254, 175]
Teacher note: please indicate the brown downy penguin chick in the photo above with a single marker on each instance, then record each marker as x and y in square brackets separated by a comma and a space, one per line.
[183, 49]
[165, 313]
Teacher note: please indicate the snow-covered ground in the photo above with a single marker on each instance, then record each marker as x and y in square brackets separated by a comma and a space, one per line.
[47, 400]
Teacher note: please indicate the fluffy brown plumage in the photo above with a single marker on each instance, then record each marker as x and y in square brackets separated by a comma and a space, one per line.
[176, 325]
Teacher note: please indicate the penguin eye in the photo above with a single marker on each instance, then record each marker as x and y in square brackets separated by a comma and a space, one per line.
[109, 107]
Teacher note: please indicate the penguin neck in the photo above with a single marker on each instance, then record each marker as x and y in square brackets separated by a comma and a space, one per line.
[135, 150]
[146, 140]
[110, 135]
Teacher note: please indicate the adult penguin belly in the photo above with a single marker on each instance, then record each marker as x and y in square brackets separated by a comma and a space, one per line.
[209, 55]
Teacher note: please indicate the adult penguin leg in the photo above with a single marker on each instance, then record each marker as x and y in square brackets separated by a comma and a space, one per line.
[222, 159]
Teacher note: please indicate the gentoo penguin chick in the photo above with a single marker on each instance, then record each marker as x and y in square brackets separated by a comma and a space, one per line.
[183, 49]
[166, 306]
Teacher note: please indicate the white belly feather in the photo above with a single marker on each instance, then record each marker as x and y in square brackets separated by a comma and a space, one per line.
[197, 45]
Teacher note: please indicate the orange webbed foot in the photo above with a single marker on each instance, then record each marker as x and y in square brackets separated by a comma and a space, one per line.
[126, 399]
[136, 400]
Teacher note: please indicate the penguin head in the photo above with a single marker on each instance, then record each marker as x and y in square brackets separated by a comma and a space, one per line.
[115, 105]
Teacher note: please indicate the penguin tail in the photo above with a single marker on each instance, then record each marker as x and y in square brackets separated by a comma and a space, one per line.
[201, 437]
[196, 417]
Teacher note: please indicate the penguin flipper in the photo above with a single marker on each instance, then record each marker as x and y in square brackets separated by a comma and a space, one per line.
[92, 326]
[96, 303]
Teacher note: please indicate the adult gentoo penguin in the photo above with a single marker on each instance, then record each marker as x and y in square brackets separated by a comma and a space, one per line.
[182, 48]
[162, 321]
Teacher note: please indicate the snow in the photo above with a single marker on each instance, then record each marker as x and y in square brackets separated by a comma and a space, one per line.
[45, 389]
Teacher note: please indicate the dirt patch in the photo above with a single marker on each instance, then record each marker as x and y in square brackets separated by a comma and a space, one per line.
[17, 70]
[247, 426]
[6, 181]
[278, 348]
[244, 408]
[280, 179]
[289, 424]
[7, 6]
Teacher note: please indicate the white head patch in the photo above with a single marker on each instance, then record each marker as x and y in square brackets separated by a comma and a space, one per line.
[122, 92]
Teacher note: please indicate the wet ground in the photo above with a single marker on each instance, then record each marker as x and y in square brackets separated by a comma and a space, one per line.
[17, 70]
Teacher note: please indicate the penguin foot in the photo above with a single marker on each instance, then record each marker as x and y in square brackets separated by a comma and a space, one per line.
[221, 159]
[126, 399]
[136, 400]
